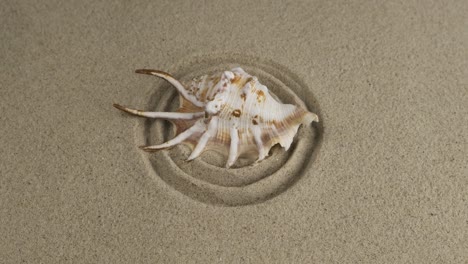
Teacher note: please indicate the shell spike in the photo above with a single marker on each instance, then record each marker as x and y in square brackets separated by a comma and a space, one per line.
[162, 115]
[258, 140]
[210, 132]
[238, 70]
[180, 88]
[309, 118]
[197, 128]
[233, 150]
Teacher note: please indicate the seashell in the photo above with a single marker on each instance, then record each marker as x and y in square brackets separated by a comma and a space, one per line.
[229, 112]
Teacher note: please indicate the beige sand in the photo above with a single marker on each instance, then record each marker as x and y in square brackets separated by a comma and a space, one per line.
[388, 183]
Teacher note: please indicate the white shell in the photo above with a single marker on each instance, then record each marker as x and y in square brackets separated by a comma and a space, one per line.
[230, 112]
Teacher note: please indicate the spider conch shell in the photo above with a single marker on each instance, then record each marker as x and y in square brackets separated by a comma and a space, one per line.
[230, 112]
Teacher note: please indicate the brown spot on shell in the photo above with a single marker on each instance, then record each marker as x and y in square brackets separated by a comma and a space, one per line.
[248, 80]
[236, 79]
[254, 122]
[236, 112]
[215, 80]
[203, 94]
[243, 96]
[260, 96]
[267, 138]
[242, 82]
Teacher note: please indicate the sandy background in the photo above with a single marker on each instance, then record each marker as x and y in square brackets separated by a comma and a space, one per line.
[389, 183]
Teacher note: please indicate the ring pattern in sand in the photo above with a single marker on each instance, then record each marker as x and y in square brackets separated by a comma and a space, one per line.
[206, 179]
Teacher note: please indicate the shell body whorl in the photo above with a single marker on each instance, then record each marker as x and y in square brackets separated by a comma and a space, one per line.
[232, 113]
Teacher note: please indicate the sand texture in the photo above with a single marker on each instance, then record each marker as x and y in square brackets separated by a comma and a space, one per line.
[383, 178]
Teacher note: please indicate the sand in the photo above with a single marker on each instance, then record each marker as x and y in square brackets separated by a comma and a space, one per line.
[383, 178]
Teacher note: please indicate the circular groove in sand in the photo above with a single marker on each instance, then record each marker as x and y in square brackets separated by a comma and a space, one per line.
[205, 179]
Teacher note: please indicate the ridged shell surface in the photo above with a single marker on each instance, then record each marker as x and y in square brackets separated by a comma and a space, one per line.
[230, 112]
